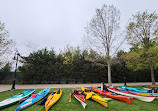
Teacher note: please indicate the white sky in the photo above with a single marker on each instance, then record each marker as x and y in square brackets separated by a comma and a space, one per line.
[57, 23]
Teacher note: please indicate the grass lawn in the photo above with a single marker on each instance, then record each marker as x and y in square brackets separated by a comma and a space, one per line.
[64, 105]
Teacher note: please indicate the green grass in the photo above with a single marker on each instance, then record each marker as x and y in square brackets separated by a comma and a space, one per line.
[64, 105]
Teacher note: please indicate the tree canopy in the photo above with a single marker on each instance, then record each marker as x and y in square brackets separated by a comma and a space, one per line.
[142, 29]
[142, 33]
[44, 66]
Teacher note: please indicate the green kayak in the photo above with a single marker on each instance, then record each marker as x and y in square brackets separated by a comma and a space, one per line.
[15, 98]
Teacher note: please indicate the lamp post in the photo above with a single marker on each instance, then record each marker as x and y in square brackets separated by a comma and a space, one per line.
[125, 80]
[124, 69]
[14, 79]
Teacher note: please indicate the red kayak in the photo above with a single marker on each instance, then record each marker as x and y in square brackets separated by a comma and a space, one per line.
[146, 88]
[78, 95]
[150, 88]
[113, 95]
[134, 95]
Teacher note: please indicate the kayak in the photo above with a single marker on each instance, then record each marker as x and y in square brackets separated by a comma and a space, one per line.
[79, 97]
[136, 96]
[53, 98]
[97, 90]
[140, 93]
[113, 95]
[33, 99]
[146, 88]
[94, 96]
[134, 89]
[150, 89]
[15, 98]
[148, 94]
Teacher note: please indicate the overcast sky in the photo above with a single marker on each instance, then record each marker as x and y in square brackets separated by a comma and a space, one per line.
[57, 23]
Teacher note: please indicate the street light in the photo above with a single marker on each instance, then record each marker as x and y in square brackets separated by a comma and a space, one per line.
[124, 69]
[125, 80]
[14, 79]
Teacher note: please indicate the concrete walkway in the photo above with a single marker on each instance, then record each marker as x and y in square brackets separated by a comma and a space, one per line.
[4, 87]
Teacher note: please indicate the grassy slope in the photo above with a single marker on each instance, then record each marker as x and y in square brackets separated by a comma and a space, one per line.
[64, 105]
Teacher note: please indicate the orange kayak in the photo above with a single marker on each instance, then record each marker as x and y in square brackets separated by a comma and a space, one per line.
[113, 95]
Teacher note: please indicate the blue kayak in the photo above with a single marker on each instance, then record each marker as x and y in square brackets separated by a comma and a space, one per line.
[137, 90]
[33, 99]
[134, 89]
[139, 93]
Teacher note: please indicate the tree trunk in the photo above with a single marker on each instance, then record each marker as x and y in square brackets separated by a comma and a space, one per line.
[76, 80]
[152, 74]
[109, 71]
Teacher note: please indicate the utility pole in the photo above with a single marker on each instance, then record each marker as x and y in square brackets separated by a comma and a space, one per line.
[14, 79]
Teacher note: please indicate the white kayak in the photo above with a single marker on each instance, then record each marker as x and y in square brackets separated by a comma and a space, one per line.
[136, 96]
[15, 98]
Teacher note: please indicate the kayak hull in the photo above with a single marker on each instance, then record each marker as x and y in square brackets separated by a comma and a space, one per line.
[95, 97]
[134, 89]
[80, 98]
[32, 100]
[136, 96]
[14, 99]
[113, 95]
[52, 99]
[146, 88]
[7, 105]
[139, 92]
[82, 103]
[147, 94]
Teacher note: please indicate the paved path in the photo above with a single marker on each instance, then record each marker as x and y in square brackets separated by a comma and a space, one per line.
[4, 87]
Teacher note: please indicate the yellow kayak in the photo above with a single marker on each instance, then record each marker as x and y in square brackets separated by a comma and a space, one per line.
[53, 98]
[94, 96]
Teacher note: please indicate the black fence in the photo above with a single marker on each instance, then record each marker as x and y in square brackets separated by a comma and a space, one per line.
[7, 77]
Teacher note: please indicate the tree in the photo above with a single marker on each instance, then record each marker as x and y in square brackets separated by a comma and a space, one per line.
[142, 33]
[39, 67]
[71, 55]
[7, 67]
[31, 46]
[102, 33]
[122, 63]
[4, 41]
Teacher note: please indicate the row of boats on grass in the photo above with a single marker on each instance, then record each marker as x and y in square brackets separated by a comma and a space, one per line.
[121, 93]
[28, 100]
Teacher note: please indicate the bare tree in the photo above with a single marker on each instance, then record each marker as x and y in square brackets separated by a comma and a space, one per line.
[31, 46]
[102, 33]
[6, 44]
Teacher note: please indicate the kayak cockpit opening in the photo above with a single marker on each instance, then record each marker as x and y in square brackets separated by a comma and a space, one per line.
[58, 91]
[21, 93]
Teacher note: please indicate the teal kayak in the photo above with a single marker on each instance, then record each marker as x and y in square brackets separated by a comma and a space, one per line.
[12, 100]
[134, 89]
[33, 99]
[138, 92]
